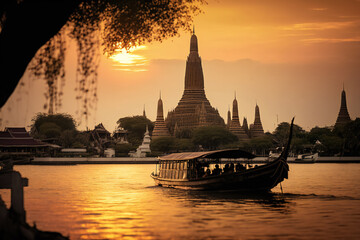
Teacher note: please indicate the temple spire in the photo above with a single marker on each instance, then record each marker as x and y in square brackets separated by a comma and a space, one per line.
[245, 126]
[228, 118]
[256, 129]
[343, 116]
[160, 129]
[193, 101]
[235, 127]
[194, 77]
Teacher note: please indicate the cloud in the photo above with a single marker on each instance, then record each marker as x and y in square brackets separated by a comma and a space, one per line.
[318, 9]
[318, 26]
[331, 40]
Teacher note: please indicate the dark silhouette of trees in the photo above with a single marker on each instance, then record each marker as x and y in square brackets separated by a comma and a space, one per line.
[123, 149]
[136, 126]
[211, 137]
[352, 137]
[349, 133]
[260, 145]
[61, 122]
[281, 133]
[59, 129]
[171, 144]
[27, 25]
[163, 145]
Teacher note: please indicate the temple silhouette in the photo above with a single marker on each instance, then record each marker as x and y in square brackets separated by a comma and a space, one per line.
[235, 126]
[160, 129]
[194, 109]
[343, 116]
[256, 129]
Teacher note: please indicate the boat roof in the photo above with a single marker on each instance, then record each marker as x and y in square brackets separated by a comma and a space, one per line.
[229, 153]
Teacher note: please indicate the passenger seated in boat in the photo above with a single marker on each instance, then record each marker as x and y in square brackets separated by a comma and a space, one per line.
[240, 167]
[231, 168]
[216, 170]
[207, 172]
[226, 168]
[199, 170]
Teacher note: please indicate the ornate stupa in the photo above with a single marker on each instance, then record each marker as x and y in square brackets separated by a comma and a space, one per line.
[160, 129]
[190, 112]
[144, 148]
[256, 129]
[235, 126]
[343, 116]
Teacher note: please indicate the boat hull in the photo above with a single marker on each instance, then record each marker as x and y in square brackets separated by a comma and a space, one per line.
[307, 158]
[261, 178]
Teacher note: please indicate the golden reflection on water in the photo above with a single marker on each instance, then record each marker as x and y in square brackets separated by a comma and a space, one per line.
[109, 212]
[127, 60]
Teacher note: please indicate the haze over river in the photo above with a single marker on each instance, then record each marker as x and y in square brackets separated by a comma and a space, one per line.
[320, 201]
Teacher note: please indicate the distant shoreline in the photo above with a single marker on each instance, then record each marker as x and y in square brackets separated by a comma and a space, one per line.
[153, 160]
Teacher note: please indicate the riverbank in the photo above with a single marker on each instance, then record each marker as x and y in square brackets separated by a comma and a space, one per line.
[92, 160]
[319, 160]
[153, 160]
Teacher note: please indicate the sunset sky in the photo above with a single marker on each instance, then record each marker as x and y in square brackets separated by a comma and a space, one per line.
[290, 57]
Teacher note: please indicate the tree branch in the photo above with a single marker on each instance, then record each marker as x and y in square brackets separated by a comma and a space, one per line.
[27, 27]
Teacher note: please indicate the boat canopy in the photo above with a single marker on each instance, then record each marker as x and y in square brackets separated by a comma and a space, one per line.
[230, 153]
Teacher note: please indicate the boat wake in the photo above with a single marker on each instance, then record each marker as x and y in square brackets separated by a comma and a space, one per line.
[316, 196]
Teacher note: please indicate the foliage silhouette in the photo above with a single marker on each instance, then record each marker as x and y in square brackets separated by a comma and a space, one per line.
[112, 24]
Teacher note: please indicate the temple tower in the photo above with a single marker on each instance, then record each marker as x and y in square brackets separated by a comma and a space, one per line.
[160, 129]
[228, 124]
[186, 114]
[245, 126]
[256, 129]
[343, 116]
[235, 127]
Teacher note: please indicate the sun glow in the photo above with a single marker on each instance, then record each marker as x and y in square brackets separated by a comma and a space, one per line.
[126, 60]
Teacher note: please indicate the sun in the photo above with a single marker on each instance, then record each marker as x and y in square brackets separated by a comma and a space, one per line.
[128, 61]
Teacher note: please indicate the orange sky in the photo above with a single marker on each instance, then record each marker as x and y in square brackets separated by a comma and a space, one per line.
[291, 57]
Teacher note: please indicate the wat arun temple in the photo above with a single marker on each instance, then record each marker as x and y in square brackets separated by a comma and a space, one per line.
[194, 109]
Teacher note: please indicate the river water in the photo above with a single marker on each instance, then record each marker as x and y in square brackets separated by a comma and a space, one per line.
[320, 201]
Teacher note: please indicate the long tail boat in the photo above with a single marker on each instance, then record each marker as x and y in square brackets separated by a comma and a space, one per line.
[184, 170]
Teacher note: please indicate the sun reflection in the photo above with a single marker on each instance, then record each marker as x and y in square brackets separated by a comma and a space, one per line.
[128, 61]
